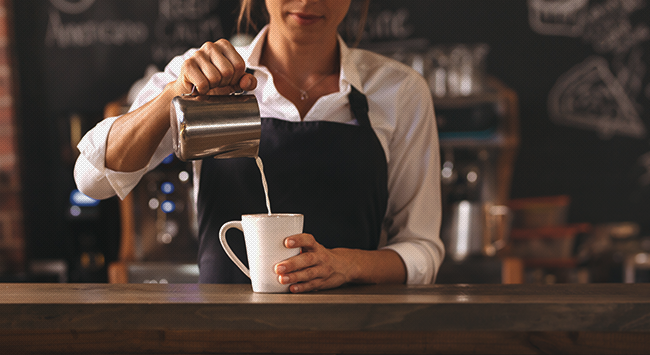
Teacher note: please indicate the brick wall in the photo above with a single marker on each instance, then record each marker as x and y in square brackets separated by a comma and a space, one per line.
[12, 243]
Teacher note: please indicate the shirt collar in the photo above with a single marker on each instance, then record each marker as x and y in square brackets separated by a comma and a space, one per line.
[349, 74]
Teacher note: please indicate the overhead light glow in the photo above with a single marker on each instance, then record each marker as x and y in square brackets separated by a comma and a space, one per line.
[168, 206]
[183, 176]
[167, 188]
[168, 159]
[75, 211]
[78, 198]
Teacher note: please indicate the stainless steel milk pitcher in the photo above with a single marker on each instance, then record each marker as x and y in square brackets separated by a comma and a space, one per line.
[220, 126]
[475, 228]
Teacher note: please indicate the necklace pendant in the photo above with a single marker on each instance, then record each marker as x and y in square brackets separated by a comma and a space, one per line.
[303, 95]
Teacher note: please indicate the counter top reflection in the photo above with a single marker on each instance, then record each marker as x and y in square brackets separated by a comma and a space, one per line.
[377, 311]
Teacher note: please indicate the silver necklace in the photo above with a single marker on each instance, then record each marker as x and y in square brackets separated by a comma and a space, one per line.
[304, 93]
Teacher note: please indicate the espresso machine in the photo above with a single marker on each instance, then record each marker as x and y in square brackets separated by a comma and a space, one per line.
[477, 119]
[475, 168]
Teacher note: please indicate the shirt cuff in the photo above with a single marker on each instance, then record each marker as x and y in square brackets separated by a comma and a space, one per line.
[93, 148]
[123, 182]
[93, 145]
[420, 264]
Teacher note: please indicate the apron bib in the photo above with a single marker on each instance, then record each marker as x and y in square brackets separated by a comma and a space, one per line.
[334, 174]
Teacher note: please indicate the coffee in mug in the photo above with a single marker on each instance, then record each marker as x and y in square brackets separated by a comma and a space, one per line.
[264, 236]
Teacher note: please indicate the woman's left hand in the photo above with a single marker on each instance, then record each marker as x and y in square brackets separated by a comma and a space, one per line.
[316, 267]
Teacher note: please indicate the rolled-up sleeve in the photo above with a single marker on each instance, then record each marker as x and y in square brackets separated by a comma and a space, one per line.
[414, 206]
[90, 172]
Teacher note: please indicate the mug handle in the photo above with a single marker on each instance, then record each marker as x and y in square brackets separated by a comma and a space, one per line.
[226, 247]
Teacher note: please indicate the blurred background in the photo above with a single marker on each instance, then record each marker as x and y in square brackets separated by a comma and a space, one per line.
[541, 105]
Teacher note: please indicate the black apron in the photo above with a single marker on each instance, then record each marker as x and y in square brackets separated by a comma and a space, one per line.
[334, 174]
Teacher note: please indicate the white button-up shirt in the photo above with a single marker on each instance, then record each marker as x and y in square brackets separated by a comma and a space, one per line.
[401, 114]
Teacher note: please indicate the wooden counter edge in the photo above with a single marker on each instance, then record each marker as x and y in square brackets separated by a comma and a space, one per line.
[231, 342]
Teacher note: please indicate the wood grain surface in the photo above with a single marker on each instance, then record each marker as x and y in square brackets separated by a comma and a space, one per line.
[153, 318]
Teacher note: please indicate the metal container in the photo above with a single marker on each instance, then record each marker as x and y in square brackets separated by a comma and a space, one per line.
[475, 228]
[220, 126]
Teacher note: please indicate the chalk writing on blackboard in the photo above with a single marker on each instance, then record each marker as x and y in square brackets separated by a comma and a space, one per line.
[592, 95]
[91, 32]
[177, 26]
[556, 18]
[383, 25]
[389, 24]
[72, 7]
[605, 24]
[182, 24]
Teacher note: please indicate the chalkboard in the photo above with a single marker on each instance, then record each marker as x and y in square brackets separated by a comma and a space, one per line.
[94, 50]
[580, 68]
[74, 57]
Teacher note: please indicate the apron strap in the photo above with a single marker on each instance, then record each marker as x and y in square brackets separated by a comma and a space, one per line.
[359, 107]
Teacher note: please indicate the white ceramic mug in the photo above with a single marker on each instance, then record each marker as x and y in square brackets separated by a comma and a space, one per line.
[264, 236]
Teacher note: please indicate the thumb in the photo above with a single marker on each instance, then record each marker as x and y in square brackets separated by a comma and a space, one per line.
[248, 82]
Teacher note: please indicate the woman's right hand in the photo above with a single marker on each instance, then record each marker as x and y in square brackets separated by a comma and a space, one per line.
[215, 69]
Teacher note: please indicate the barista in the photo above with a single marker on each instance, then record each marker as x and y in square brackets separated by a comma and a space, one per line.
[348, 139]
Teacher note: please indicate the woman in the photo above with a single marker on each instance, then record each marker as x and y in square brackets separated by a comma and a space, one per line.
[348, 139]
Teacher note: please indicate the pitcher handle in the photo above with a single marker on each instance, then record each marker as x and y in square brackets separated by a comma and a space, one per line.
[498, 219]
[226, 247]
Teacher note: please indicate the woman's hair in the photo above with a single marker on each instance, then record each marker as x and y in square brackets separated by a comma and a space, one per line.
[252, 13]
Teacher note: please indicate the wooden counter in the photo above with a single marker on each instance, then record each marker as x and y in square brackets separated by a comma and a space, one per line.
[136, 318]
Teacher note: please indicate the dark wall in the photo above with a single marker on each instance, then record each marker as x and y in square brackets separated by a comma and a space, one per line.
[73, 57]
[580, 72]
[583, 84]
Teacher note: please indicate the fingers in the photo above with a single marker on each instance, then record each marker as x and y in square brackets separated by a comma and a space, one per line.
[302, 240]
[216, 65]
[317, 284]
[313, 269]
[237, 65]
[304, 260]
[303, 267]
[248, 82]
[301, 261]
[318, 277]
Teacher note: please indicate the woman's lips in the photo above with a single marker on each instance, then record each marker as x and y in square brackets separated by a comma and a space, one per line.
[305, 19]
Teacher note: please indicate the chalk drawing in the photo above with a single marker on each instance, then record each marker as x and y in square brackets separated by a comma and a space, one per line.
[591, 95]
[644, 162]
[608, 27]
[630, 70]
